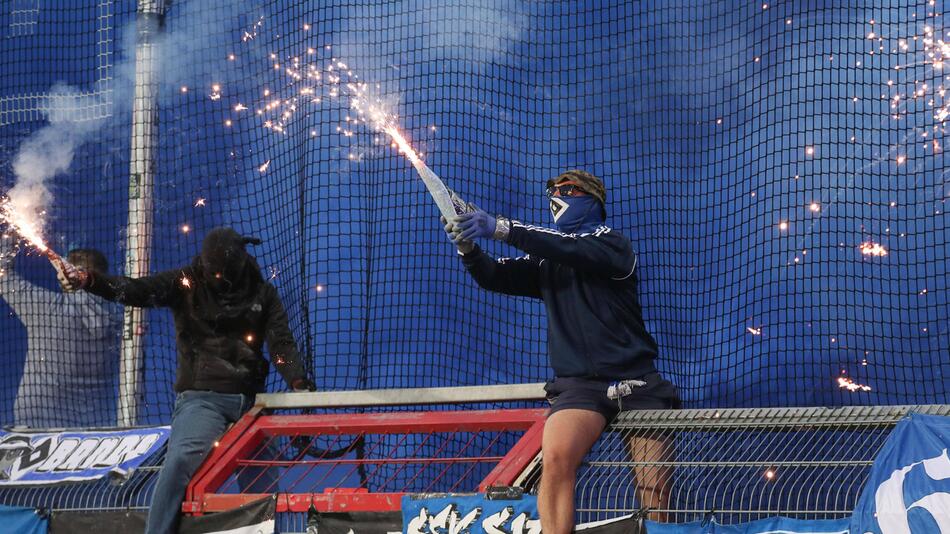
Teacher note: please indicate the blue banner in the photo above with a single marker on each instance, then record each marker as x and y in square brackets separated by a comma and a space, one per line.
[477, 515]
[470, 514]
[22, 520]
[36, 458]
[908, 491]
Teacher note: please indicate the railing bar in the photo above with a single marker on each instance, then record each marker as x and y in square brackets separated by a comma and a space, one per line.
[750, 463]
[718, 511]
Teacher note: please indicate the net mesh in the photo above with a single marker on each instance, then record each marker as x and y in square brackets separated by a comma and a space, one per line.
[779, 169]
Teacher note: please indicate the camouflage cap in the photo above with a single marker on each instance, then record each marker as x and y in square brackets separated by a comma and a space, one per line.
[585, 181]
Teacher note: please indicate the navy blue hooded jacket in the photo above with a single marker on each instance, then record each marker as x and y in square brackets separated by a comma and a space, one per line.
[589, 286]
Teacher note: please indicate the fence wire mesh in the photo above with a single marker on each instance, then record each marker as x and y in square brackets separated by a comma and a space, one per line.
[738, 464]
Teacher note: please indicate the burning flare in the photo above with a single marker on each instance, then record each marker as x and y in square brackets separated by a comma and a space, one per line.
[27, 228]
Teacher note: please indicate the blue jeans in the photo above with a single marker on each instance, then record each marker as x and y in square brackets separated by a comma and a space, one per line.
[199, 419]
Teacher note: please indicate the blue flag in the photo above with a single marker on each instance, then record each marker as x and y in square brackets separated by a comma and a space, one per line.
[908, 491]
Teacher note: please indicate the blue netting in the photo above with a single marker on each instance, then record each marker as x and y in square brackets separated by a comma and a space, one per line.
[749, 151]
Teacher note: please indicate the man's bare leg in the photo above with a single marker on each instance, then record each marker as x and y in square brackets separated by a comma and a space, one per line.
[653, 482]
[568, 436]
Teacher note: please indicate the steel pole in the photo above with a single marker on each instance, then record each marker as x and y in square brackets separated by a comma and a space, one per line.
[138, 243]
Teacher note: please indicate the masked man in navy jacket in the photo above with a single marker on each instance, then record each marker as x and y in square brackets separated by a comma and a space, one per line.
[599, 347]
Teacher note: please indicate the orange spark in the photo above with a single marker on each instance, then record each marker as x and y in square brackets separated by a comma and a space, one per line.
[851, 385]
[870, 248]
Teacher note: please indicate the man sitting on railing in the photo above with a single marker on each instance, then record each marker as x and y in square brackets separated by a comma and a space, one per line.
[224, 312]
[599, 347]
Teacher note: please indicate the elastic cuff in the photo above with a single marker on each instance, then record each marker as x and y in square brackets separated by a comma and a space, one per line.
[502, 228]
[464, 248]
[474, 251]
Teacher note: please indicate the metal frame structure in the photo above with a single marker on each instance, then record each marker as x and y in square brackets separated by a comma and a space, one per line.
[35, 106]
[739, 464]
[820, 457]
[239, 444]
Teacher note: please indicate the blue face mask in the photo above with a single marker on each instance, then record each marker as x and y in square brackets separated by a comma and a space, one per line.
[576, 215]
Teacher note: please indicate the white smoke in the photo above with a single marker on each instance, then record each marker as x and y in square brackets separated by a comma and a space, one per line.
[73, 118]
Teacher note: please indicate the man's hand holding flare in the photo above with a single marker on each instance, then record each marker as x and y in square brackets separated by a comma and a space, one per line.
[71, 278]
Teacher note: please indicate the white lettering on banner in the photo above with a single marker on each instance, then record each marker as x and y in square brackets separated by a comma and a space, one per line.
[59, 455]
[145, 443]
[493, 523]
[105, 447]
[932, 503]
[520, 523]
[450, 521]
[122, 450]
[889, 498]
[80, 454]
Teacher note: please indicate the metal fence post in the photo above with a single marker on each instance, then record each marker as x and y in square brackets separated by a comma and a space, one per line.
[138, 242]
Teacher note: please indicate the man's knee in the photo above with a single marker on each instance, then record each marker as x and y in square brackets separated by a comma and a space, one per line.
[560, 460]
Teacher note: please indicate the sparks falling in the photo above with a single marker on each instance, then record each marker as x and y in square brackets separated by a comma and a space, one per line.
[850, 385]
[870, 248]
[313, 80]
[28, 228]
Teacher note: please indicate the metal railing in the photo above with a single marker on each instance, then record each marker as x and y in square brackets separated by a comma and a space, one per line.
[739, 464]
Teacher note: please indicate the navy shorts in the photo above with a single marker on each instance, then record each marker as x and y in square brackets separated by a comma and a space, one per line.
[591, 394]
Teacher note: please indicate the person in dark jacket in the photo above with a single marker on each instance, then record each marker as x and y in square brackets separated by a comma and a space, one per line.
[224, 313]
[600, 350]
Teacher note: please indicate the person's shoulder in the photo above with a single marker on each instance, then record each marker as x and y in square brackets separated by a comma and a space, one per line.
[268, 290]
[607, 232]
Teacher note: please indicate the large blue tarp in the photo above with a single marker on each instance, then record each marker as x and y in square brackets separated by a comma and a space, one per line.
[760, 157]
[22, 520]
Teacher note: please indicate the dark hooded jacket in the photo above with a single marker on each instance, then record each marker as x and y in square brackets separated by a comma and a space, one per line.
[588, 283]
[220, 328]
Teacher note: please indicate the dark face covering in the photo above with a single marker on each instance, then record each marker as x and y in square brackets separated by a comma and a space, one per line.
[229, 274]
[576, 214]
[223, 260]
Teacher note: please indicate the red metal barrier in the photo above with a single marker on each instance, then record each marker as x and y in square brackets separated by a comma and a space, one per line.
[386, 453]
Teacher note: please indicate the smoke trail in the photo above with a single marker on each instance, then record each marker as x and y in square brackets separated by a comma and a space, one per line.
[47, 153]
[75, 116]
